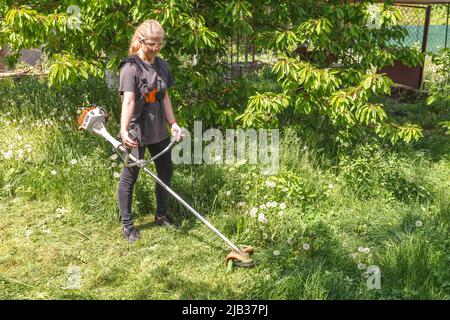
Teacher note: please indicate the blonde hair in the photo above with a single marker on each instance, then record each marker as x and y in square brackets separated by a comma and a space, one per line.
[145, 29]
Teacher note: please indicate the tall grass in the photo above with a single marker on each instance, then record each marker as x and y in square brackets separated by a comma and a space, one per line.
[316, 226]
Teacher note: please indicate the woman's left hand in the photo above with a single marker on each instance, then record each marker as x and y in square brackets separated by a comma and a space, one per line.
[177, 132]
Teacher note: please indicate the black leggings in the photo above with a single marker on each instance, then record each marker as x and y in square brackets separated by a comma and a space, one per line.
[128, 177]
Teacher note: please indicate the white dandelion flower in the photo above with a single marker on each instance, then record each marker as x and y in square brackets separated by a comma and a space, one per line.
[28, 233]
[114, 157]
[8, 154]
[116, 175]
[366, 250]
[20, 153]
[53, 172]
[290, 241]
[353, 255]
[271, 184]
[78, 111]
[218, 158]
[265, 236]
[419, 223]
[276, 253]
[29, 149]
[262, 218]
[253, 212]
[306, 246]
[345, 244]
[240, 204]
[228, 193]
[73, 161]
[113, 164]
[282, 206]
[269, 204]
[365, 274]
[361, 266]
[262, 207]
[360, 249]
[281, 213]
[330, 186]
[247, 188]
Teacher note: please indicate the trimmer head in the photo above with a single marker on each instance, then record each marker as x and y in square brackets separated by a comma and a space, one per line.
[241, 260]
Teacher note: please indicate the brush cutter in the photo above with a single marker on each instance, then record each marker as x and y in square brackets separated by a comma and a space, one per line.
[93, 119]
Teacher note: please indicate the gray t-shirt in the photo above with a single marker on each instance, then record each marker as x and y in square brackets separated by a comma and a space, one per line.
[148, 118]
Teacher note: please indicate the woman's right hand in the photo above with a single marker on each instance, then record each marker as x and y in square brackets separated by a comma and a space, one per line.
[126, 140]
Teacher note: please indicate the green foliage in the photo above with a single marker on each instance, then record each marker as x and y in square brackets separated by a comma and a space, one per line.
[439, 92]
[327, 69]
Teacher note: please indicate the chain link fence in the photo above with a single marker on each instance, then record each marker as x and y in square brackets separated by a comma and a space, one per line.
[415, 21]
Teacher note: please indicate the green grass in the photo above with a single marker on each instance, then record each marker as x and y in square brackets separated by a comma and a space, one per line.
[374, 197]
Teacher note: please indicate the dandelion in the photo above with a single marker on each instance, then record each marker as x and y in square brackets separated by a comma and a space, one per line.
[228, 193]
[113, 164]
[8, 122]
[265, 236]
[271, 184]
[366, 274]
[281, 213]
[28, 233]
[330, 186]
[360, 249]
[353, 255]
[276, 253]
[8, 154]
[282, 206]
[240, 204]
[290, 241]
[269, 204]
[116, 175]
[253, 212]
[366, 250]
[247, 188]
[285, 189]
[419, 223]
[20, 153]
[73, 161]
[262, 218]
[345, 244]
[29, 149]
[361, 266]
[114, 157]
[306, 246]
[53, 172]
[262, 207]
[218, 158]
[78, 111]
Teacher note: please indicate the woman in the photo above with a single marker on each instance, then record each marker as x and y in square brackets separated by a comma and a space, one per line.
[146, 108]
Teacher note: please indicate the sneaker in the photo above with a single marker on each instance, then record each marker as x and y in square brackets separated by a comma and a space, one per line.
[131, 234]
[163, 221]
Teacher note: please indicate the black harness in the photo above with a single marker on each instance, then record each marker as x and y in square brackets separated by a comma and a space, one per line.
[148, 90]
[134, 59]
